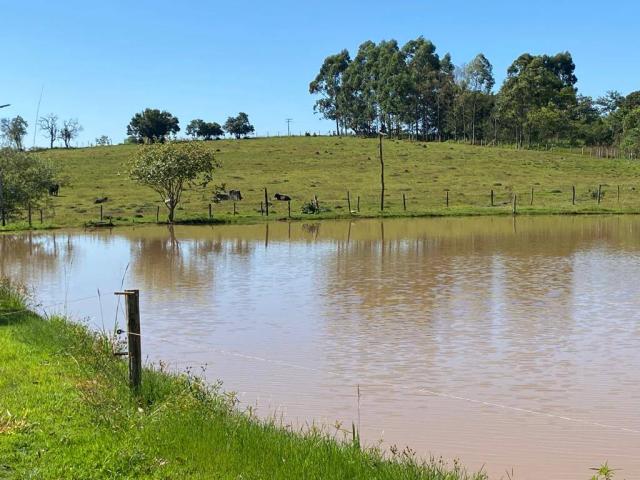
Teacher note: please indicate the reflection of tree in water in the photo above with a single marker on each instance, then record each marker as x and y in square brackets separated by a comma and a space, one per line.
[42, 253]
[169, 262]
[488, 293]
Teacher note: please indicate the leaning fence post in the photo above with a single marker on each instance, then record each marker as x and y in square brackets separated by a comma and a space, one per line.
[349, 201]
[573, 195]
[266, 201]
[531, 196]
[134, 340]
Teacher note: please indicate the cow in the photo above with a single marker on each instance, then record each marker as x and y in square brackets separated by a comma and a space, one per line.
[282, 198]
[54, 189]
[235, 195]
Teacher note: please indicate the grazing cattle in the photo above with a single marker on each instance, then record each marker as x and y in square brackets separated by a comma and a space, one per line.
[235, 195]
[101, 200]
[54, 189]
[282, 198]
[220, 196]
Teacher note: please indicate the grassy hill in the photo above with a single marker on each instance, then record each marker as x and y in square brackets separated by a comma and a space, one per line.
[330, 166]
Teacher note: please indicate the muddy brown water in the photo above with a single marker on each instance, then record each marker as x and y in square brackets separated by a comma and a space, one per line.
[512, 345]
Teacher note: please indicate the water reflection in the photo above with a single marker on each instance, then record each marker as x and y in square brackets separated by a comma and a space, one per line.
[456, 330]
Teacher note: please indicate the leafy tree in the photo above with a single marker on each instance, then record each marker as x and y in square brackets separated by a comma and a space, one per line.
[152, 125]
[13, 131]
[70, 131]
[239, 126]
[24, 181]
[205, 130]
[169, 168]
[103, 140]
[50, 128]
[194, 128]
[478, 78]
[328, 83]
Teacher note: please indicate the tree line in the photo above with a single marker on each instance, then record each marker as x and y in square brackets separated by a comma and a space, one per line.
[153, 125]
[14, 130]
[411, 90]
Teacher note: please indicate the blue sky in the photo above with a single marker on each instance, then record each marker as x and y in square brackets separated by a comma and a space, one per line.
[103, 61]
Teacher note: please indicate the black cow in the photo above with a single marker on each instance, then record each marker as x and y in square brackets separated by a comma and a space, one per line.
[235, 195]
[282, 198]
[54, 189]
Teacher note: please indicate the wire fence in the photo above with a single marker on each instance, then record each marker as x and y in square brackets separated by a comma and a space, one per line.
[565, 198]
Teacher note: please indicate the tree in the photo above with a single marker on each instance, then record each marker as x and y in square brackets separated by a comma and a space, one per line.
[13, 131]
[194, 128]
[239, 126]
[103, 141]
[478, 78]
[328, 83]
[70, 131]
[205, 130]
[24, 181]
[50, 128]
[152, 125]
[169, 168]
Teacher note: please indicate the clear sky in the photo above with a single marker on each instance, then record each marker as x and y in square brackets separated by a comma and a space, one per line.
[103, 61]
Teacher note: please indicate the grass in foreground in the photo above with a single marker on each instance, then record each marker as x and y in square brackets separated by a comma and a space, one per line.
[330, 166]
[66, 413]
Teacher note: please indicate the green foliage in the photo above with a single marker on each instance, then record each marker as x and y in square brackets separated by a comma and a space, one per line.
[24, 180]
[70, 131]
[152, 125]
[13, 131]
[168, 168]
[239, 125]
[199, 129]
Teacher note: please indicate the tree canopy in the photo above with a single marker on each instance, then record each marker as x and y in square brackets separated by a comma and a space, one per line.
[152, 125]
[13, 131]
[24, 181]
[204, 130]
[170, 168]
[239, 125]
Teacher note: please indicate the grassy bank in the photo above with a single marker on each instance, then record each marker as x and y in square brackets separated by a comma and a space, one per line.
[330, 166]
[66, 413]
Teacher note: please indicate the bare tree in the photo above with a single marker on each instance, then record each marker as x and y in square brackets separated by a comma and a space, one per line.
[70, 131]
[50, 128]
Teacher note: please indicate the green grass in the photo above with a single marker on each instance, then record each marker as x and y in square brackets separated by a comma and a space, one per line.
[66, 413]
[330, 166]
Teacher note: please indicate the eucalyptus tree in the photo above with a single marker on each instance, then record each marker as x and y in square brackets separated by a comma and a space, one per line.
[478, 75]
[329, 84]
[13, 130]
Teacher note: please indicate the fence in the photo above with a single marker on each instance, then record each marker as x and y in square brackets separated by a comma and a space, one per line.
[496, 198]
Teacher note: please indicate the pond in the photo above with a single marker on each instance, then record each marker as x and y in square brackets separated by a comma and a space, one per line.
[511, 344]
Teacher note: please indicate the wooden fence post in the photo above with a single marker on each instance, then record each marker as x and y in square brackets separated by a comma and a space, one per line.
[289, 207]
[447, 198]
[158, 214]
[404, 202]
[573, 195]
[599, 193]
[358, 207]
[618, 193]
[41, 217]
[315, 197]
[349, 201]
[515, 203]
[235, 211]
[492, 203]
[531, 196]
[266, 201]
[29, 211]
[210, 212]
[134, 340]
[101, 216]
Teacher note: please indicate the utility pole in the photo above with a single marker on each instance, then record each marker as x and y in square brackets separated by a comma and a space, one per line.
[289, 120]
